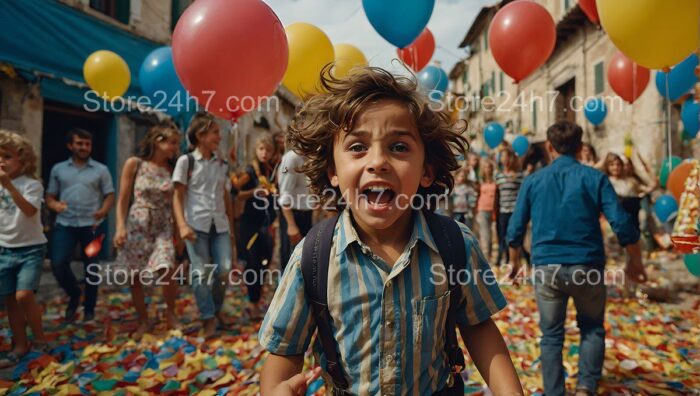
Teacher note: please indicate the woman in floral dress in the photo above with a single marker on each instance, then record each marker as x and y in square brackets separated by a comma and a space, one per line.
[145, 233]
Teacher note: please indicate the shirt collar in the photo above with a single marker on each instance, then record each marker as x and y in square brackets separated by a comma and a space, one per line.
[347, 233]
[90, 162]
[564, 159]
[198, 155]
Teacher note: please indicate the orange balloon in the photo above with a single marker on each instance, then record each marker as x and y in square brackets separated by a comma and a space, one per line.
[677, 178]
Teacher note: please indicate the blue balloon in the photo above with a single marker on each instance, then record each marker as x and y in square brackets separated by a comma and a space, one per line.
[520, 145]
[681, 79]
[434, 81]
[595, 111]
[690, 115]
[493, 134]
[162, 85]
[665, 207]
[399, 22]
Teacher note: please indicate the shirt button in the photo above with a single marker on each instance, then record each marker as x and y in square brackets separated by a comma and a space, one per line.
[388, 284]
[389, 360]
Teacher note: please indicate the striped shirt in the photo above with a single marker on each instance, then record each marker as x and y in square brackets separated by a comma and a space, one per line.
[508, 186]
[388, 320]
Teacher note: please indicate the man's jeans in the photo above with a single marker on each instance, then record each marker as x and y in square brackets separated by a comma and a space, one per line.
[554, 284]
[209, 277]
[63, 243]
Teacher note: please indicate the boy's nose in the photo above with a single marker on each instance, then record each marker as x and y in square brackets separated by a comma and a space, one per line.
[377, 162]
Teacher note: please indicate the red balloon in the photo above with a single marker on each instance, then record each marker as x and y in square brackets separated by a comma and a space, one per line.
[627, 78]
[418, 54]
[93, 248]
[590, 9]
[522, 36]
[230, 54]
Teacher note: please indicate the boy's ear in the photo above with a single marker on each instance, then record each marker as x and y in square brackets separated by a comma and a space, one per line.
[333, 177]
[428, 176]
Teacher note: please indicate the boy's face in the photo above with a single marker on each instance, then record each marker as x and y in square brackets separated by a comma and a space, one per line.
[10, 162]
[211, 138]
[379, 164]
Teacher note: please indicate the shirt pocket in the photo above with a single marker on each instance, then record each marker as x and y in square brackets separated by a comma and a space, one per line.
[429, 316]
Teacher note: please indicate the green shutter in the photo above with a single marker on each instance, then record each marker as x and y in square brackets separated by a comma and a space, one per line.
[178, 7]
[599, 78]
[493, 82]
[123, 11]
[486, 40]
[567, 4]
[534, 116]
[501, 78]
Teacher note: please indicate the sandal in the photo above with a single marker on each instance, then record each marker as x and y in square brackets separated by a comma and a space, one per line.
[43, 347]
[10, 359]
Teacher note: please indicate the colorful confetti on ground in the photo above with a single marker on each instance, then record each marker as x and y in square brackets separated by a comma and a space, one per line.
[652, 349]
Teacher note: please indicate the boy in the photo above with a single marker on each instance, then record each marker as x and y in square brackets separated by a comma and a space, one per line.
[569, 256]
[204, 215]
[374, 140]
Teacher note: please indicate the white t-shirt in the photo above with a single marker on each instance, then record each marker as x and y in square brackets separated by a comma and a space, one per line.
[16, 229]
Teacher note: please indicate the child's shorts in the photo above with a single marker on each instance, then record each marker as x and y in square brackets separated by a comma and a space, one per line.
[20, 268]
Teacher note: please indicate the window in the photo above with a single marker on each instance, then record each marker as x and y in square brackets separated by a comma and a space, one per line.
[117, 9]
[178, 7]
[599, 78]
[493, 82]
[501, 81]
[568, 4]
[486, 40]
[534, 116]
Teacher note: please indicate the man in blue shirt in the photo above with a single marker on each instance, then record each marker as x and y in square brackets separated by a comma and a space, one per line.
[564, 201]
[81, 192]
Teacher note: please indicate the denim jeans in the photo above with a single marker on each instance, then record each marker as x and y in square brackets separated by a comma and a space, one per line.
[63, 243]
[210, 265]
[554, 284]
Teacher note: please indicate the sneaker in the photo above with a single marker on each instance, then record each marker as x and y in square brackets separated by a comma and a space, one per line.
[88, 317]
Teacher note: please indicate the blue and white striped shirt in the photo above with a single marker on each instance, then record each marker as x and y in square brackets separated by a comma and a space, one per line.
[388, 320]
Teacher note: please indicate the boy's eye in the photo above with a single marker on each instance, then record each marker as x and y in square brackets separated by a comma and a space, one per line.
[357, 148]
[399, 147]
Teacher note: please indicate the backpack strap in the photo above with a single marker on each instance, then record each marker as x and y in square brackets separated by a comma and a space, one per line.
[450, 243]
[315, 257]
[190, 166]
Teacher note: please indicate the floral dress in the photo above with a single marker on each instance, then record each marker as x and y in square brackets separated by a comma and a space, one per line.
[149, 226]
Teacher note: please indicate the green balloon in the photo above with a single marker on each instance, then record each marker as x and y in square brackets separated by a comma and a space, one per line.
[664, 171]
[692, 262]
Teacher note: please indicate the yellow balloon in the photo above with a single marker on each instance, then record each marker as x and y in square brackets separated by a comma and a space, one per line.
[346, 57]
[309, 51]
[653, 33]
[107, 74]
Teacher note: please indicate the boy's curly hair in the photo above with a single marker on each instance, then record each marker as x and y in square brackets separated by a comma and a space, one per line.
[22, 147]
[313, 130]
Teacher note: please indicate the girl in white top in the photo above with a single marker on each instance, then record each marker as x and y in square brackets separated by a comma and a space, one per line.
[22, 243]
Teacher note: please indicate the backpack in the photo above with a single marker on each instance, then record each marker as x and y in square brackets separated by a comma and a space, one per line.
[315, 257]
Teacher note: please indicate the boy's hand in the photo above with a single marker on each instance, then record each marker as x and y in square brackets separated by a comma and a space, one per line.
[186, 234]
[294, 234]
[5, 179]
[59, 206]
[297, 385]
[99, 215]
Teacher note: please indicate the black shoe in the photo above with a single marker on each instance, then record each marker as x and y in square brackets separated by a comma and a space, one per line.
[72, 308]
[88, 317]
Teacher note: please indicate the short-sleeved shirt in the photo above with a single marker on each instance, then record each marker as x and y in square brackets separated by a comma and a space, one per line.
[204, 201]
[487, 197]
[294, 186]
[388, 320]
[16, 229]
[508, 186]
[82, 188]
[464, 197]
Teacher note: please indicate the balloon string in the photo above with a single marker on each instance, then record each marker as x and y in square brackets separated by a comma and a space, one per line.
[668, 124]
[634, 96]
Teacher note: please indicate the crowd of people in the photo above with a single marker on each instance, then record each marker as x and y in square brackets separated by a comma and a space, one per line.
[370, 149]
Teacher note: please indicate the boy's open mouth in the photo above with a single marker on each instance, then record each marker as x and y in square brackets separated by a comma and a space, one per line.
[379, 195]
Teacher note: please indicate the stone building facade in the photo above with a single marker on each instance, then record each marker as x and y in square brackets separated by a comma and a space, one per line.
[575, 73]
